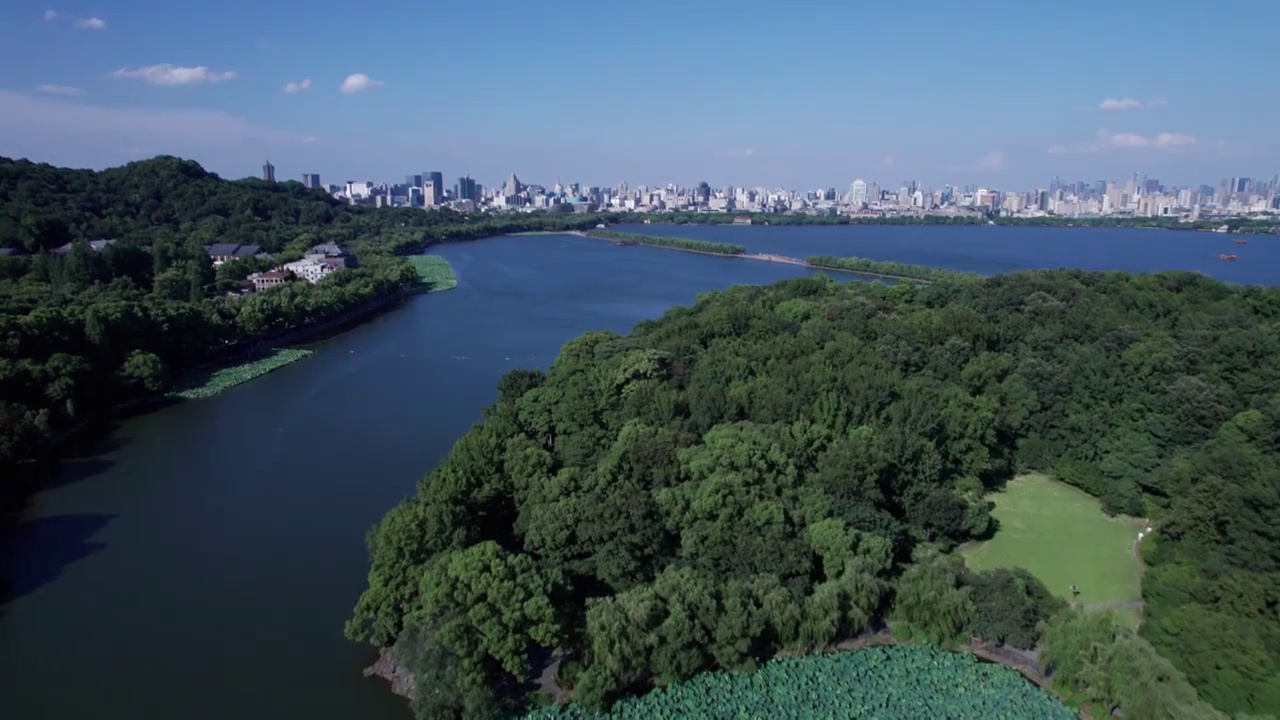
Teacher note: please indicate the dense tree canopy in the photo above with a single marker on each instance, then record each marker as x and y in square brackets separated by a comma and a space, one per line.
[777, 468]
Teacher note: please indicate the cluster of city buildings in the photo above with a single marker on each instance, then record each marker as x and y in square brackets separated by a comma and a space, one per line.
[1138, 196]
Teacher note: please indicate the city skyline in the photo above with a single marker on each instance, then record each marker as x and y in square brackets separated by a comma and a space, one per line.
[1139, 195]
[740, 93]
[1270, 181]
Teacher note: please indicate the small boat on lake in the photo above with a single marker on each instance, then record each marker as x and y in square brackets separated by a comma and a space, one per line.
[1241, 241]
[1228, 257]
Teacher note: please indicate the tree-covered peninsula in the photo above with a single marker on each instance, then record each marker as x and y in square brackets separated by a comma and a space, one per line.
[776, 469]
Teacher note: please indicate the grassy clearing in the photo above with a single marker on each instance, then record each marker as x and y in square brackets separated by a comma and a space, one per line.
[1060, 535]
[434, 273]
[211, 382]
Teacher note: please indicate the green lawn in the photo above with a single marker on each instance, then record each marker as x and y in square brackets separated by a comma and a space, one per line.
[434, 273]
[1060, 535]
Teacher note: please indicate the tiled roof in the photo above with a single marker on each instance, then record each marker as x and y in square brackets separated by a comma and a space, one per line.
[218, 249]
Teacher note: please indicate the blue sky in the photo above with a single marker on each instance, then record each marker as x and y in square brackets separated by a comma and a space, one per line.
[811, 94]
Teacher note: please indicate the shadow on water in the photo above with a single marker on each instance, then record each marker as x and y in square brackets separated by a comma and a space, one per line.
[37, 551]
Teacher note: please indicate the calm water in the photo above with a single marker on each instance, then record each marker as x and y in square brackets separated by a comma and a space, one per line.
[996, 249]
[204, 565]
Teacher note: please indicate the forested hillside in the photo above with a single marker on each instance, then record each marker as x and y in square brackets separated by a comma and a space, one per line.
[777, 468]
[84, 331]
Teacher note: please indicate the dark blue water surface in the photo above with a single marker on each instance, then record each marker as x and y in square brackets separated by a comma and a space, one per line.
[991, 249]
[201, 566]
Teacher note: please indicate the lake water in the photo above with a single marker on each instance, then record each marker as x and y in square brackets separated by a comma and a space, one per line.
[998, 249]
[203, 565]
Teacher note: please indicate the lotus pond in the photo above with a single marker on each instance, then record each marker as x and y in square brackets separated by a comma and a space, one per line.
[434, 273]
[212, 382]
[904, 682]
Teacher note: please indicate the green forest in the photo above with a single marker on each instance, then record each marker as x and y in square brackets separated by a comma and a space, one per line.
[88, 331]
[776, 469]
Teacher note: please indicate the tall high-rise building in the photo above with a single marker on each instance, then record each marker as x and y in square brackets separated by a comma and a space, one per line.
[466, 189]
[432, 188]
[703, 192]
[311, 181]
[413, 180]
[512, 186]
[858, 193]
[269, 172]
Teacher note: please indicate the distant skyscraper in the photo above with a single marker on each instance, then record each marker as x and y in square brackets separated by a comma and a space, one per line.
[858, 193]
[413, 180]
[269, 172]
[466, 189]
[435, 181]
[512, 187]
[311, 180]
[704, 192]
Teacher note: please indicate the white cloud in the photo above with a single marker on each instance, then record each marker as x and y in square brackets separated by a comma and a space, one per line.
[93, 23]
[1121, 104]
[1130, 103]
[1128, 140]
[889, 162]
[66, 90]
[166, 74]
[1166, 139]
[1107, 140]
[358, 82]
[293, 87]
[50, 14]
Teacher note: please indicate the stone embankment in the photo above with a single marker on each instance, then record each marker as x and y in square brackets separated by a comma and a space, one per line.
[388, 669]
